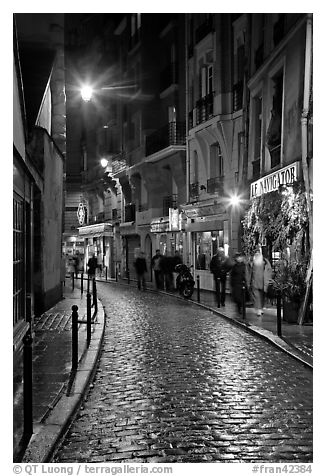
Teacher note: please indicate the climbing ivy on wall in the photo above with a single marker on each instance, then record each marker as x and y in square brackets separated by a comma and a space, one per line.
[279, 216]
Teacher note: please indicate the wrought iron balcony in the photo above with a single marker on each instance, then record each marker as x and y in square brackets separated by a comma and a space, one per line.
[204, 29]
[119, 163]
[215, 185]
[237, 96]
[173, 133]
[204, 108]
[169, 202]
[130, 212]
[194, 190]
[169, 76]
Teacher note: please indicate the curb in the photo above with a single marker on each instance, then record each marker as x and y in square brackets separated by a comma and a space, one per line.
[47, 435]
[266, 335]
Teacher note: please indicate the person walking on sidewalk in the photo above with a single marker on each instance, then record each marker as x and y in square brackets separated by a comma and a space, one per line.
[260, 276]
[91, 266]
[238, 278]
[156, 267]
[141, 269]
[220, 265]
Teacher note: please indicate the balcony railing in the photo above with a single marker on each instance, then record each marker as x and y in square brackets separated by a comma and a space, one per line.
[119, 163]
[204, 29]
[204, 108]
[215, 185]
[237, 96]
[256, 168]
[169, 202]
[168, 76]
[173, 133]
[194, 190]
[130, 212]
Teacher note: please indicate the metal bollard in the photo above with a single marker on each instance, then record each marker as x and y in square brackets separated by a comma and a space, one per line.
[218, 292]
[28, 385]
[243, 300]
[89, 318]
[279, 313]
[106, 273]
[73, 280]
[116, 273]
[198, 289]
[82, 283]
[94, 295]
[74, 340]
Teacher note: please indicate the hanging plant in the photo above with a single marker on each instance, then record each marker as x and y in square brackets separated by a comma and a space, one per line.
[279, 216]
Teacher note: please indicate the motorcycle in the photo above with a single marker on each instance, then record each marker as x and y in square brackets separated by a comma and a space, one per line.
[185, 282]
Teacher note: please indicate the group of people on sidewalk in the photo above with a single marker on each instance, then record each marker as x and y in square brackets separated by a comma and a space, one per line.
[251, 276]
[163, 267]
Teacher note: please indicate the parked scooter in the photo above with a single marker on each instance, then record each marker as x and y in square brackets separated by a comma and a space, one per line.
[185, 282]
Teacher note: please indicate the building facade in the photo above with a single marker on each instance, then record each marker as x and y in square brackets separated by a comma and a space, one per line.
[39, 147]
[197, 113]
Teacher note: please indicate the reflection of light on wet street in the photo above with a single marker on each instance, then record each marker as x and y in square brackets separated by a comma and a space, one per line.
[178, 383]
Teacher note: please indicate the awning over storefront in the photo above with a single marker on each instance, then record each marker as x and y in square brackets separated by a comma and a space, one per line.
[200, 210]
[95, 231]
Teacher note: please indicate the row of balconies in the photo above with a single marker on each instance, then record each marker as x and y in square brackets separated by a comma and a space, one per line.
[204, 109]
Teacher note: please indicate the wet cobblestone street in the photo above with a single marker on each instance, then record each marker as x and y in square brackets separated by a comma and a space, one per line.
[177, 383]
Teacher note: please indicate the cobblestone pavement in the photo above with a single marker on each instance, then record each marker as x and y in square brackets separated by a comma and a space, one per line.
[177, 383]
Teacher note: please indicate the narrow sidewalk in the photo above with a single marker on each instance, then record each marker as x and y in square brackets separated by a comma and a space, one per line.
[57, 390]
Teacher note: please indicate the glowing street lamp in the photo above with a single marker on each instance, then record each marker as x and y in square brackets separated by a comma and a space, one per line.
[234, 200]
[86, 93]
[104, 162]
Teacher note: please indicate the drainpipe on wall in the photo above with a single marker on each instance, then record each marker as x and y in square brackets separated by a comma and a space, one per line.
[188, 241]
[304, 120]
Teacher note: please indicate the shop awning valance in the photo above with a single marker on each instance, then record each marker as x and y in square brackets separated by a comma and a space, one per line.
[95, 231]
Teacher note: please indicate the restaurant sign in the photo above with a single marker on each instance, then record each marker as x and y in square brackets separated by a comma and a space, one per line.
[174, 219]
[286, 176]
[82, 213]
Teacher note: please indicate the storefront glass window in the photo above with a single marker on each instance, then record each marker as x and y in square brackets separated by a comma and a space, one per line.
[206, 244]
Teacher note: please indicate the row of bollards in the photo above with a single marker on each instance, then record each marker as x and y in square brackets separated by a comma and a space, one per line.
[88, 321]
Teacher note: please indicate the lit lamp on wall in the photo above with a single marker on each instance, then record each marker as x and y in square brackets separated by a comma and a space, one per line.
[234, 203]
[104, 162]
[86, 93]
